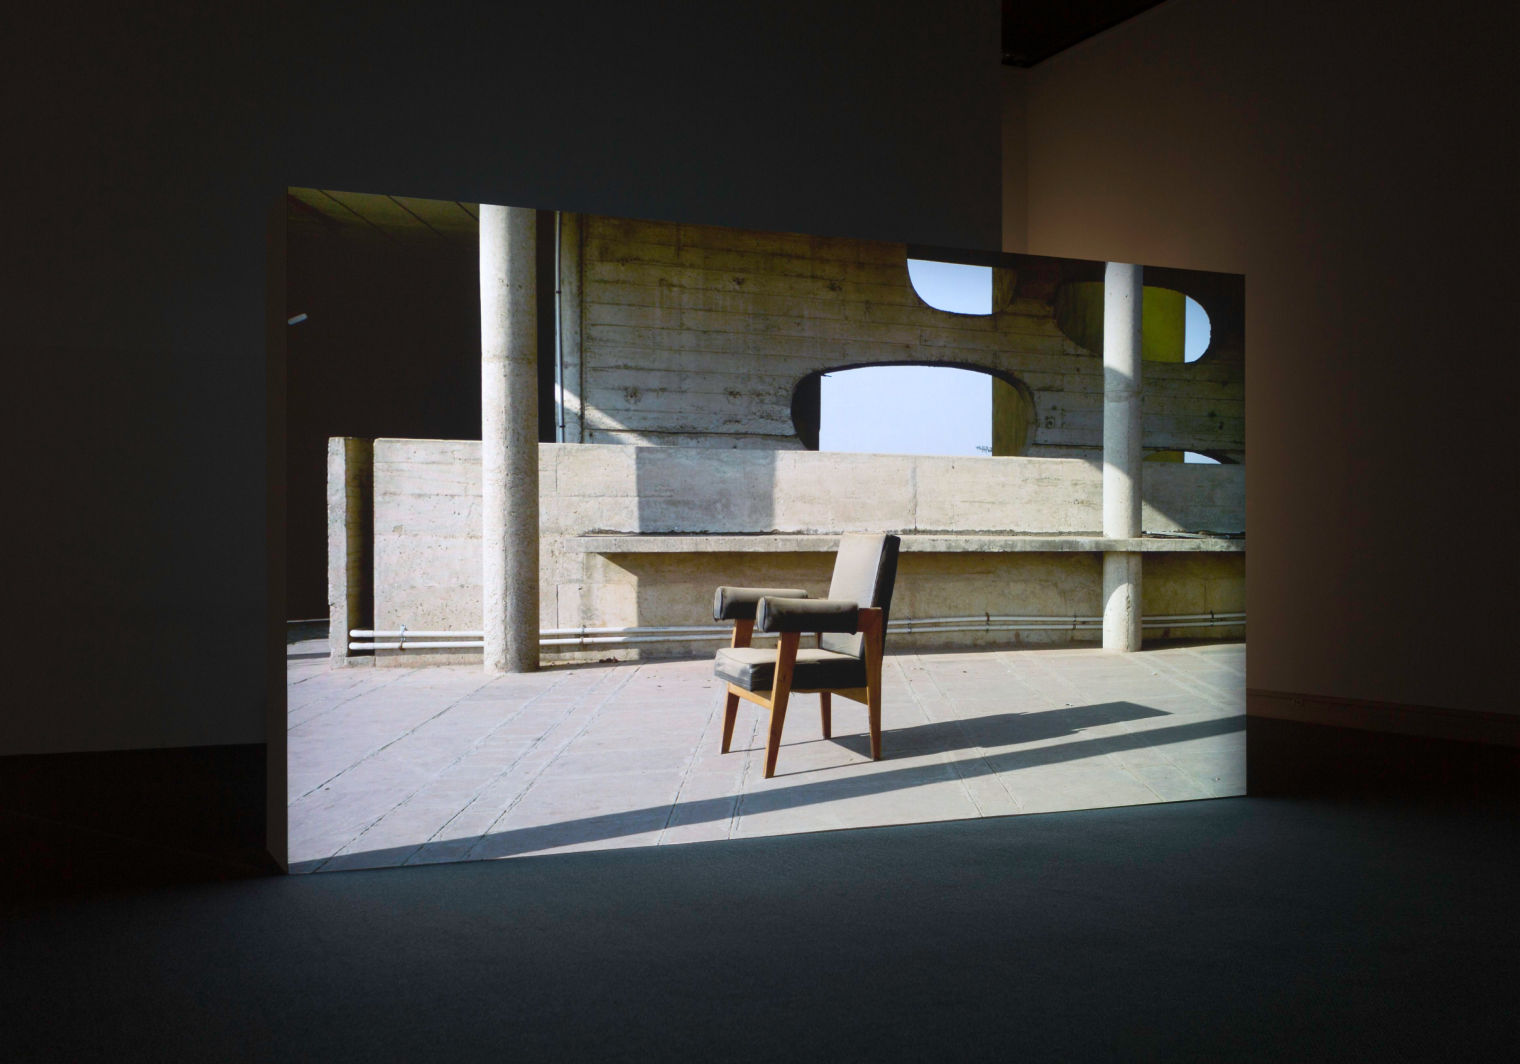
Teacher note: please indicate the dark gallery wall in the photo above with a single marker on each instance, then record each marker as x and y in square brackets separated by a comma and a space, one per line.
[1351, 159]
[138, 175]
[1356, 161]
[148, 148]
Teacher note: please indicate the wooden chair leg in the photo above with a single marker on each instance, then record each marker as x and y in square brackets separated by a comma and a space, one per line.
[871, 625]
[730, 711]
[781, 692]
[873, 716]
[826, 714]
[773, 740]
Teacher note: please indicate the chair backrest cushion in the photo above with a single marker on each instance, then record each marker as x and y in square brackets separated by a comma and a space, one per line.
[865, 570]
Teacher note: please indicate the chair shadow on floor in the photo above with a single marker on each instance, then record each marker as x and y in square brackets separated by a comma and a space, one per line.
[843, 781]
[994, 730]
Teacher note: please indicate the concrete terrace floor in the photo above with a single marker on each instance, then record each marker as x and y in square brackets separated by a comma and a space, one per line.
[393, 766]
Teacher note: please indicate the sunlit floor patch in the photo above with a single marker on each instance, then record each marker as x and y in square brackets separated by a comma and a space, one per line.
[394, 766]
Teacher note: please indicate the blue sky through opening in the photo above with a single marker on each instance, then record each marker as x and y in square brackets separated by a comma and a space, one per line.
[1195, 331]
[906, 410]
[952, 286]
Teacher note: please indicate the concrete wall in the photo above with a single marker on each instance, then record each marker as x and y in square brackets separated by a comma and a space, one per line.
[1339, 155]
[698, 336]
[427, 560]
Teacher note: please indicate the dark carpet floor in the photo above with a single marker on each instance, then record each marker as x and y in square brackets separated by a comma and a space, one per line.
[1232, 930]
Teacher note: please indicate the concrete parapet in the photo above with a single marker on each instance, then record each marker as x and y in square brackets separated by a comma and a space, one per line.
[640, 536]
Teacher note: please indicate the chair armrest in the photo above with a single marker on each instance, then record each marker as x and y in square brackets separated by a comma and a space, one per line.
[807, 615]
[738, 603]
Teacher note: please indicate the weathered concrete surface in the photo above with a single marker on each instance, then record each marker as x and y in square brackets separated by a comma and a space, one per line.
[633, 489]
[427, 534]
[1122, 608]
[509, 428]
[350, 538]
[1123, 390]
[948, 543]
[392, 767]
[697, 336]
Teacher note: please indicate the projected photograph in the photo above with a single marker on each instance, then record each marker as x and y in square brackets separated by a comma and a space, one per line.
[607, 532]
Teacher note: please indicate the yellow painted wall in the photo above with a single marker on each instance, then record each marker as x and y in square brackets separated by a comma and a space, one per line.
[1079, 312]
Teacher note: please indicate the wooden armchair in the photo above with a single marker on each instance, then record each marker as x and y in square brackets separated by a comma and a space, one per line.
[851, 625]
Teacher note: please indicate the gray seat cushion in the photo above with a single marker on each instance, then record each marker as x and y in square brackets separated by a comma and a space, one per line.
[754, 668]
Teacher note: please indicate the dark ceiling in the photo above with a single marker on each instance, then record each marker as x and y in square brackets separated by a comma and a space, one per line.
[1031, 32]
[1036, 31]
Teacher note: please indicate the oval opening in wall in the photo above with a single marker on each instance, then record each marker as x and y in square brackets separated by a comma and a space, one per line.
[1190, 457]
[952, 286]
[913, 408]
[1196, 331]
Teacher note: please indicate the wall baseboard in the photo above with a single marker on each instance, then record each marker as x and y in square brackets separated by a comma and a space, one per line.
[1428, 722]
[111, 815]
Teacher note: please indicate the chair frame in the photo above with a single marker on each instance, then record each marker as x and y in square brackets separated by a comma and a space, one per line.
[870, 625]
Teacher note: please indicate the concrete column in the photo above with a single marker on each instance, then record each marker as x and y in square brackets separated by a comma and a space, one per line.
[1122, 454]
[509, 437]
[350, 532]
[1121, 600]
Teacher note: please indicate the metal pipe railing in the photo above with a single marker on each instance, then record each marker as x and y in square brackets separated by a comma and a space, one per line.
[404, 638]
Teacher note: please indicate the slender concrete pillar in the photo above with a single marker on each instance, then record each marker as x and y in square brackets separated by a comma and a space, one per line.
[509, 437]
[1122, 393]
[350, 537]
[1121, 600]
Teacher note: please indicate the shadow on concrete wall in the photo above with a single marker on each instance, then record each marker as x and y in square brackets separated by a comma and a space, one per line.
[739, 494]
[740, 498]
